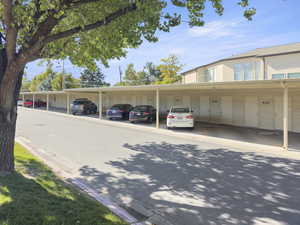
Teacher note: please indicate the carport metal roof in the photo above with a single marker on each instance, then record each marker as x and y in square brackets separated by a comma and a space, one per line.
[44, 92]
[227, 85]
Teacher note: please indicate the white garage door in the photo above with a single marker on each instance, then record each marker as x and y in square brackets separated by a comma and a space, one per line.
[296, 113]
[266, 113]
[238, 110]
[195, 104]
[226, 109]
[204, 108]
[215, 109]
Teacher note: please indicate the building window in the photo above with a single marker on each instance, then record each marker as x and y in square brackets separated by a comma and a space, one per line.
[277, 76]
[247, 71]
[293, 75]
[210, 74]
[238, 72]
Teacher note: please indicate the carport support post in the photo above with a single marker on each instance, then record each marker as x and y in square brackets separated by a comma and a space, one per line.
[285, 118]
[33, 100]
[68, 103]
[23, 99]
[100, 105]
[157, 108]
[47, 102]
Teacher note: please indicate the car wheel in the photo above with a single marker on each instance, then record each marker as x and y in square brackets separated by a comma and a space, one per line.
[74, 113]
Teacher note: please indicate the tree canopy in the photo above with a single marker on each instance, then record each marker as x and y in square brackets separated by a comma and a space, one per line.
[89, 30]
[92, 78]
[169, 70]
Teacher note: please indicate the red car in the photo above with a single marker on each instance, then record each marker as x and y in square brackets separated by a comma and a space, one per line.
[38, 103]
[28, 103]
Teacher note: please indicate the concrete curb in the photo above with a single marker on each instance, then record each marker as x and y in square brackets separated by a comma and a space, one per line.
[67, 176]
[195, 137]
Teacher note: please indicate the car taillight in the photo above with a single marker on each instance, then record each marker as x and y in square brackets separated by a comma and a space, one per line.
[146, 113]
[171, 116]
[189, 117]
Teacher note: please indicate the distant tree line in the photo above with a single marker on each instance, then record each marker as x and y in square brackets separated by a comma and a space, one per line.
[165, 73]
[57, 81]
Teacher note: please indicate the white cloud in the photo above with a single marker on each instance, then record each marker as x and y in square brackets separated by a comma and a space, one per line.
[216, 29]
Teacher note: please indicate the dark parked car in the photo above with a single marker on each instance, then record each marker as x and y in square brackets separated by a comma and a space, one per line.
[83, 106]
[119, 111]
[40, 103]
[146, 113]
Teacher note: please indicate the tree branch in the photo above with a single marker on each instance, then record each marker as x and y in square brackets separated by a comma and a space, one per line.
[92, 26]
[10, 29]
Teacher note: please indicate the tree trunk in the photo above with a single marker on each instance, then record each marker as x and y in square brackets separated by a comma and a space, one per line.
[10, 84]
[7, 139]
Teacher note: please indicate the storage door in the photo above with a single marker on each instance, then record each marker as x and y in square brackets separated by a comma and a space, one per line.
[238, 110]
[195, 104]
[296, 113]
[266, 113]
[215, 109]
[204, 108]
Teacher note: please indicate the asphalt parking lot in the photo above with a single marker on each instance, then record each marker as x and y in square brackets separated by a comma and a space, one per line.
[185, 181]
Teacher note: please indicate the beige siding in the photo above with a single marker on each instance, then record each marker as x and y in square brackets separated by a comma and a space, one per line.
[190, 77]
[228, 68]
[283, 64]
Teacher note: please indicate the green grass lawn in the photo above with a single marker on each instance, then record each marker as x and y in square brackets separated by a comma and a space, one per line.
[35, 196]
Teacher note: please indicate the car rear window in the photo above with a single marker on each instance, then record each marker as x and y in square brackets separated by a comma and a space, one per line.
[141, 108]
[180, 110]
[118, 107]
[79, 102]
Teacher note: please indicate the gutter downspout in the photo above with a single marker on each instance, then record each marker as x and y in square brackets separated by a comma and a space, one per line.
[264, 68]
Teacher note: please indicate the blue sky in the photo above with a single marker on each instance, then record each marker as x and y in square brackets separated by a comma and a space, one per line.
[276, 22]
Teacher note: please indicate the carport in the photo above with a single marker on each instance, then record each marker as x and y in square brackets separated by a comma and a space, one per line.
[271, 105]
[55, 100]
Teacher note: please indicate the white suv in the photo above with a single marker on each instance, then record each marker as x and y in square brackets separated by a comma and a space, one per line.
[180, 116]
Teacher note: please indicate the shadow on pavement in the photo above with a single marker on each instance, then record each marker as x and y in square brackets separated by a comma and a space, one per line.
[216, 186]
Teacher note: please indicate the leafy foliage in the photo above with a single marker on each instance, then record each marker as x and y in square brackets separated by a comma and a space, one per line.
[92, 78]
[165, 73]
[152, 73]
[52, 81]
[64, 81]
[170, 69]
[89, 30]
[42, 82]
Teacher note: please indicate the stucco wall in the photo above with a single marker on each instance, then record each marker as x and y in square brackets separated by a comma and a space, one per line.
[190, 77]
[282, 64]
[225, 70]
